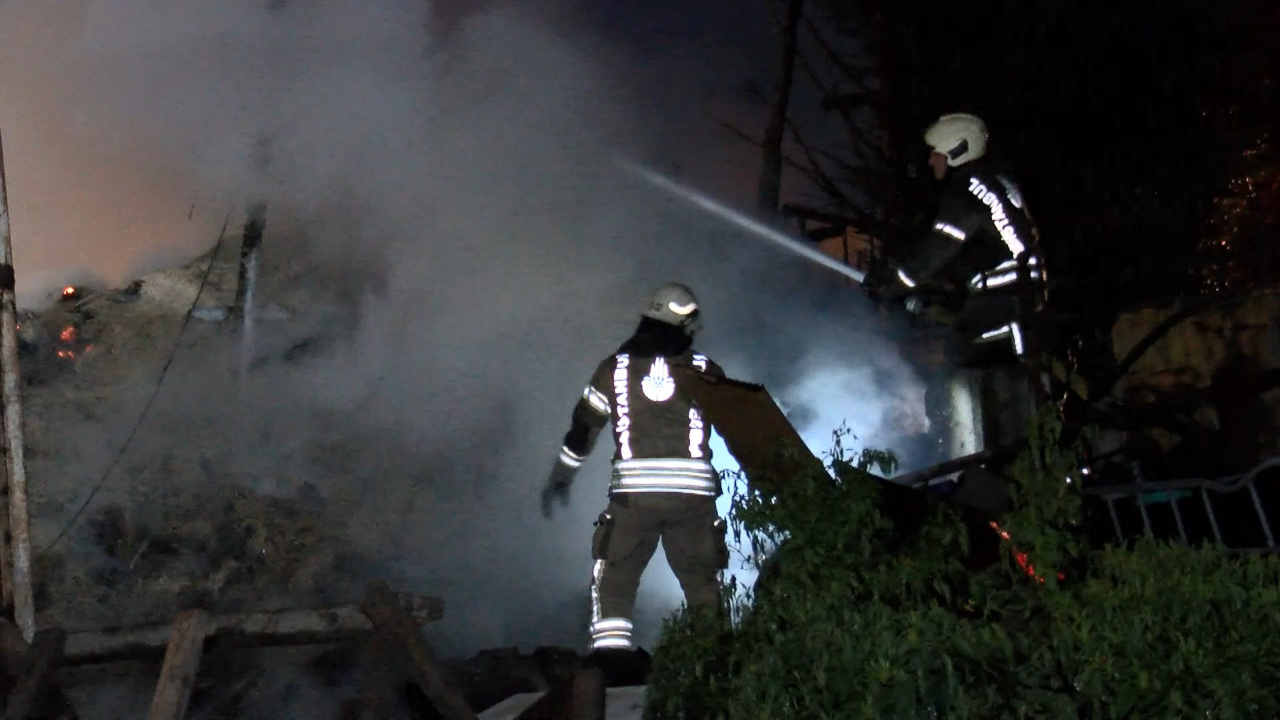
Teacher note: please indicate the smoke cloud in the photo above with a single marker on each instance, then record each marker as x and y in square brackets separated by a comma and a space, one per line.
[447, 225]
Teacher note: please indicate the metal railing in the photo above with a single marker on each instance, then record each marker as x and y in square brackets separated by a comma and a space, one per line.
[1144, 492]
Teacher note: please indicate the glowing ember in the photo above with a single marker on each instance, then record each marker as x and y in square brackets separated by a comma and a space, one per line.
[68, 334]
[1004, 534]
[66, 354]
[1021, 557]
[68, 291]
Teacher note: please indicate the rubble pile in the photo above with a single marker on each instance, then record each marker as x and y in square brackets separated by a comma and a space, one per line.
[224, 549]
[131, 536]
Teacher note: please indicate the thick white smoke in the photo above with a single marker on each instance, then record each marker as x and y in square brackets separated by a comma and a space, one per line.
[459, 237]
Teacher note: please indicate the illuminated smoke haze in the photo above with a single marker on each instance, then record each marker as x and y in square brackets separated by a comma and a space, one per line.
[460, 237]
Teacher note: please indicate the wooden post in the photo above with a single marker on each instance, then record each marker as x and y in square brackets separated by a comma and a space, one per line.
[382, 679]
[35, 685]
[17, 553]
[391, 621]
[250, 256]
[181, 663]
[580, 697]
[590, 699]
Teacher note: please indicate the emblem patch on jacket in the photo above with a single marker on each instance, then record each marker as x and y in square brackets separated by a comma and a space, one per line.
[658, 385]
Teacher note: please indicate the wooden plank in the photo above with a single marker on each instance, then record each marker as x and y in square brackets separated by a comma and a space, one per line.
[393, 622]
[181, 663]
[273, 628]
[35, 685]
[757, 433]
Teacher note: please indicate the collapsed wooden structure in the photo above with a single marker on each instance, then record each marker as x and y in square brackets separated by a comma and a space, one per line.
[388, 623]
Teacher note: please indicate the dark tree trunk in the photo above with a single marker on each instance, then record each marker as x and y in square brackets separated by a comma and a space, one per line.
[771, 163]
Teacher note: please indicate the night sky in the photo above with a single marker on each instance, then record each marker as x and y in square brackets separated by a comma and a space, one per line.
[1123, 124]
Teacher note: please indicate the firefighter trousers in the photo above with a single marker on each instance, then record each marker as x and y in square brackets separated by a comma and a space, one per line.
[626, 536]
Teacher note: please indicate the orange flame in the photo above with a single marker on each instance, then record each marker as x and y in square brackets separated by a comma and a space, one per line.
[68, 291]
[68, 333]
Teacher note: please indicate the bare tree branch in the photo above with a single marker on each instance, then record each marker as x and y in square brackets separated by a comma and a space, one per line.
[824, 179]
[829, 187]
[859, 151]
[832, 100]
[824, 87]
[844, 111]
[833, 56]
[756, 142]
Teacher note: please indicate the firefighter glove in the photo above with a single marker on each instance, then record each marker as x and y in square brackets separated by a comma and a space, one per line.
[556, 489]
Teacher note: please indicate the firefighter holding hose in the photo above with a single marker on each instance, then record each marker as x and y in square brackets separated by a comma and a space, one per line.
[663, 486]
[982, 250]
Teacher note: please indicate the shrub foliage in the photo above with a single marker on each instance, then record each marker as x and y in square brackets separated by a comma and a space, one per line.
[851, 620]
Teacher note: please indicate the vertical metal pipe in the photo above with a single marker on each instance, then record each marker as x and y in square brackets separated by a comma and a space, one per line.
[19, 529]
[1213, 519]
[1177, 516]
[1136, 469]
[1262, 515]
[1115, 520]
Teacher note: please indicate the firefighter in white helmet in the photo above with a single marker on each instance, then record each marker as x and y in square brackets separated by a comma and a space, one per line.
[968, 263]
[663, 486]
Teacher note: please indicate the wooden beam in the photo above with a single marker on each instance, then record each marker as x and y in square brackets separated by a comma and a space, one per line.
[392, 622]
[825, 232]
[35, 685]
[16, 583]
[273, 628]
[800, 212]
[181, 663]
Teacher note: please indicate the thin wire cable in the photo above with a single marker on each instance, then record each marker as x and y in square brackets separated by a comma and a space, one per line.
[155, 392]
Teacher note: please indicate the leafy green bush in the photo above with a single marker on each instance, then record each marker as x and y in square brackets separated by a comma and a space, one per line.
[853, 620]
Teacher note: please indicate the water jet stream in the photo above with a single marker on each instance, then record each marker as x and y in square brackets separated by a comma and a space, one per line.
[754, 227]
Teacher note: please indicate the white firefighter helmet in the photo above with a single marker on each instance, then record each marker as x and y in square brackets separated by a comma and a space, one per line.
[961, 137]
[674, 304]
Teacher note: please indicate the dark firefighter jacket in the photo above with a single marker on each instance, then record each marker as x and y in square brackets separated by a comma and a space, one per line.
[662, 441]
[981, 230]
